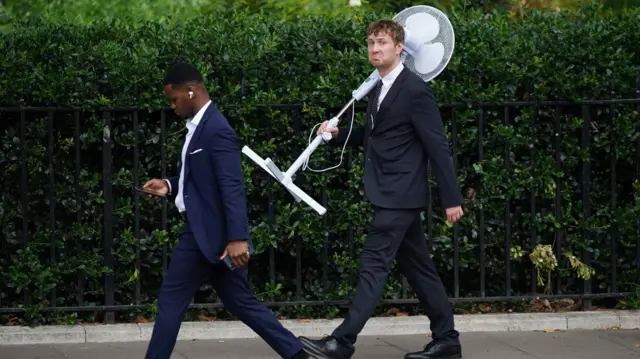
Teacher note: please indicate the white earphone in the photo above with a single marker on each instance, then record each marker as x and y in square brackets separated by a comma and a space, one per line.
[190, 94]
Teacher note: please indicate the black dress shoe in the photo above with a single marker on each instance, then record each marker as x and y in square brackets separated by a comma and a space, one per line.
[438, 350]
[327, 347]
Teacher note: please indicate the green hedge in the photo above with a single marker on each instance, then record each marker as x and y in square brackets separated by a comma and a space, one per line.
[315, 63]
[88, 11]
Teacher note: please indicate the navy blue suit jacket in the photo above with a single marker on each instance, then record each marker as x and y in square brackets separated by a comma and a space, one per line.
[214, 194]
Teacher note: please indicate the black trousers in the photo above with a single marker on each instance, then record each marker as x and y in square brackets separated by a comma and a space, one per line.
[398, 233]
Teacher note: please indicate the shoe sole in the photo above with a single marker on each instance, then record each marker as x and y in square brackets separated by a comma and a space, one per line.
[311, 350]
[315, 354]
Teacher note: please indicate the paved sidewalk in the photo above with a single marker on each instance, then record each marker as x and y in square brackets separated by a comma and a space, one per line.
[618, 344]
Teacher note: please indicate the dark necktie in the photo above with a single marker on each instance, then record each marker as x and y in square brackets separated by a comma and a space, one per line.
[373, 105]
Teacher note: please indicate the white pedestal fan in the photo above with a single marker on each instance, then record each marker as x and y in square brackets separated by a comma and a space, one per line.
[428, 47]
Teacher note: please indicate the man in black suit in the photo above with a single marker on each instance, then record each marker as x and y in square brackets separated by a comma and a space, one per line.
[403, 131]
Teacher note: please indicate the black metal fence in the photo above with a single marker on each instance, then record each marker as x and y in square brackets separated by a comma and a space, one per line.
[19, 119]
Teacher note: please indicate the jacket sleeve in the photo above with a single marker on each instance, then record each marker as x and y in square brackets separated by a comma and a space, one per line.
[356, 138]
[429, 128]
[227, 169]
[173, 183]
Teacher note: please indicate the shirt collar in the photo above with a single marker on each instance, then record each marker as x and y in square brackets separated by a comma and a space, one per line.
[391, 76]
[193, 122]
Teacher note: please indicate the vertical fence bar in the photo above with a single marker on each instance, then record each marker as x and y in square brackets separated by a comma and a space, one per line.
[325, 243]
[52, 200]
[24, 189]
[405, 287]
[534, 234]
[163, 165]
[325, 224]
[638, 178]
[351, 244]
[243, 85]
[638, 216]
[298, 266]
[296, 128]
[136, 219]
[429, 210]
[483, 292]
[558, 201]
[456, 226]
[507, 210]
[272, 257]
[352, 255]
[586, 195]
[79, 208]
[614, 200]
[272, 216]
[108, 214]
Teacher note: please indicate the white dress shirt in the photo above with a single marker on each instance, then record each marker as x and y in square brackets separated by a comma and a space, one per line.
[388, 81]
[191, 124]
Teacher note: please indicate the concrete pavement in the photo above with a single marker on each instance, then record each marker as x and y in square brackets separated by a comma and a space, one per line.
[597, 344]
[381, 326]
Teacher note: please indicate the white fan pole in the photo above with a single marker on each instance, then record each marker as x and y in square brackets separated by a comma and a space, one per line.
[358, 94]
[286, 179]
[326, 136]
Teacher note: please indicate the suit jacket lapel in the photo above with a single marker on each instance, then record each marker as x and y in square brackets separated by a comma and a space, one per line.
[390, 97]
[196, 137]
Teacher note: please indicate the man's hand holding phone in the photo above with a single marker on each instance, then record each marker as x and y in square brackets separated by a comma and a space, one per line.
[237, 254]
[155, 188]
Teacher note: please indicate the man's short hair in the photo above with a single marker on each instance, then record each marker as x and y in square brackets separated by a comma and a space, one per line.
[392, 28]
[182, 74]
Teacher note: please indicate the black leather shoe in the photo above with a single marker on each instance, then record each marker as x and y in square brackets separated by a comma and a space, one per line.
[327, 347]
[437, 350]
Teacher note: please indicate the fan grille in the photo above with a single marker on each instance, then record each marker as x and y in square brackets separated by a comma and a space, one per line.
[445, 36]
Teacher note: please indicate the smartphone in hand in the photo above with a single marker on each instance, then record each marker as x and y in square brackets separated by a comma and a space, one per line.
[229, 263]
[150, 192]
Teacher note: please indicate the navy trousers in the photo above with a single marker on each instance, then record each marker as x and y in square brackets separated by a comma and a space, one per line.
[187, 271]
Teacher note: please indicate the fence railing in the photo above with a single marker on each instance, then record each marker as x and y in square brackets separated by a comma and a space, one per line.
[67, 130]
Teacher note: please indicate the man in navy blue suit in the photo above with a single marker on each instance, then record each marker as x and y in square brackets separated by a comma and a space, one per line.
[209, 193]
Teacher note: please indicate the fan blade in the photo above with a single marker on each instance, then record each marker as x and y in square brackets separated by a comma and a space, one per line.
[423, 27]
[429, 57]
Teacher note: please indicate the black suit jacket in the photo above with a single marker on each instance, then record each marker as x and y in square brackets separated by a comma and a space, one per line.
[408, 133]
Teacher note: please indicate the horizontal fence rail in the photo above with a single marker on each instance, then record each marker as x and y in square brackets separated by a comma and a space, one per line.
[71, 175]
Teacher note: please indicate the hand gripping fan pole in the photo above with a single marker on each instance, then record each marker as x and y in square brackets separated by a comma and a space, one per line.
[428, 47]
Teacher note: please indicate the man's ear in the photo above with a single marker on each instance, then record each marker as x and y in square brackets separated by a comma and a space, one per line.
[191, 92]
